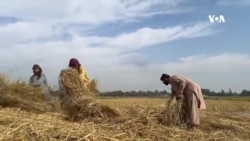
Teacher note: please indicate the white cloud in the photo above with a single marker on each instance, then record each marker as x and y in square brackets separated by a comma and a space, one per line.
[87, 12]
[101, 55]
[112, 60]
[23, 32]
[33, 9]
[217, 72]
[234, 3]
[146, 36]
[222, 63]
[40, 19]
[222, 71]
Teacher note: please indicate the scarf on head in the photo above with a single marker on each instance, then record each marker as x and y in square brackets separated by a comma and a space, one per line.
[74, 63]
[38, 74]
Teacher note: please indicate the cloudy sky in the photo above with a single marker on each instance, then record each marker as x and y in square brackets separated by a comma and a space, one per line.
[128, 44]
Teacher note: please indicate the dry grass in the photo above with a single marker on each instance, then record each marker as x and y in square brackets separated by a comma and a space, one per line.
[79, 103]
[86, 108]
[223, 120]
[93, 87]
[174, 114]
[138, 123]
[19, 94]
[72, 83]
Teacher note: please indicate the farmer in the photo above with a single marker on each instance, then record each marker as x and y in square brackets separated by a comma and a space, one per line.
[188, 92]
[38, 79]
[72, 94]
[75, 64]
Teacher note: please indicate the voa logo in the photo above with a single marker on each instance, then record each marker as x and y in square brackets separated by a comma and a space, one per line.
[214, 18]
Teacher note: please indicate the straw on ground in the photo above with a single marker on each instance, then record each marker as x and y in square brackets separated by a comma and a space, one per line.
[137, 120]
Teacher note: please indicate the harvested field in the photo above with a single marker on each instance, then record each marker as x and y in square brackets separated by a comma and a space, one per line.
[137, 123]
[137, 119]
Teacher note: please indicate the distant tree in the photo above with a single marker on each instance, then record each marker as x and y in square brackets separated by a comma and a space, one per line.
[230, 91]
[223, 92]
[157, 93]
[245, 93]
[206, 91]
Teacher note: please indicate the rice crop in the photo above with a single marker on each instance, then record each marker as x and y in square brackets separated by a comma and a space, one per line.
[130, 119]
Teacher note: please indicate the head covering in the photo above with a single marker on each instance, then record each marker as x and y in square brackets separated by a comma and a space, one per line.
[36, 66]
[74, 63]
[164, 76]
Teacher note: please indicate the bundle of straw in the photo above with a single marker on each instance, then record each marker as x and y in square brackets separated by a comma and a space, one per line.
[20, 95]
[72, 83]
[92, 87]
[79, 102]
[174, 113]
[86, 108]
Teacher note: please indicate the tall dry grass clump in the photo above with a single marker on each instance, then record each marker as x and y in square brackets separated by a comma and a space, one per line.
[72, 84]
[84, 108]
[20, 95]
[78, 102]
[93, 88]
[174, 113]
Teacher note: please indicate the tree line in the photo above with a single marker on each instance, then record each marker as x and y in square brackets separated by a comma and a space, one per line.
[156, 93]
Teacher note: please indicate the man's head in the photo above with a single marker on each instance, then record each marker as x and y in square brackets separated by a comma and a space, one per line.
[165, 78]
[74, 63]
[37, 70]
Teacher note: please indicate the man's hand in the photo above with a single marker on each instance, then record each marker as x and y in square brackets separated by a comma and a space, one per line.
[179, 95]
[199, 103]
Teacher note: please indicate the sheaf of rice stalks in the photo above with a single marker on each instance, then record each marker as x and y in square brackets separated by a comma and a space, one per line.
[174, 113]
[83, 108]
[93, 88]
[21, 95]
[72, 83]
[79, 103]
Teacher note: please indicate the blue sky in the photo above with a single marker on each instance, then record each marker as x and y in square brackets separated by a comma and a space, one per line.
[128, 44]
